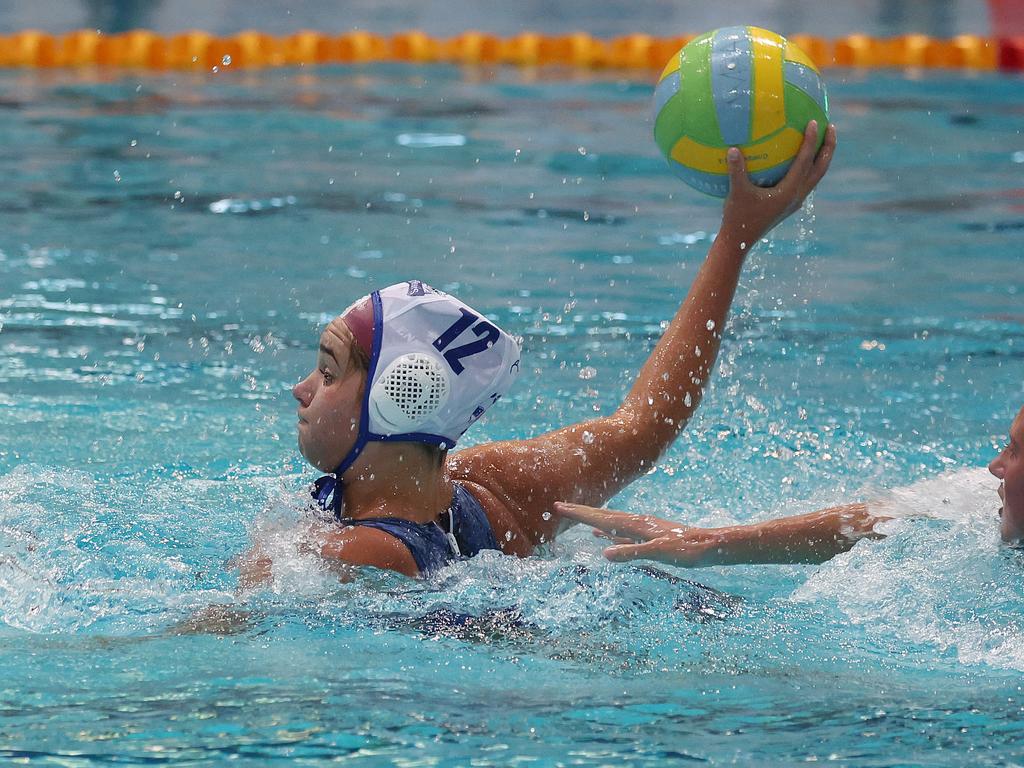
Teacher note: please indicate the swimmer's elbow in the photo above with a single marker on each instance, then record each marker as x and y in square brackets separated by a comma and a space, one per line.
[646, 432]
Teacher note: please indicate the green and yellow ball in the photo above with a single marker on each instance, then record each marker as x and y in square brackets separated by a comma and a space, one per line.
[740, 87]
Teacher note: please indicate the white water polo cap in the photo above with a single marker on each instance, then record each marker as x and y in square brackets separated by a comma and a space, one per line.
[436, 365]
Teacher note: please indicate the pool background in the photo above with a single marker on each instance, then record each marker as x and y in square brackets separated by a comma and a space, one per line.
[170, 247]
[939, 18]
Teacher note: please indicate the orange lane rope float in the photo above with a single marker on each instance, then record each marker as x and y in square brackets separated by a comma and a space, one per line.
[142, 49]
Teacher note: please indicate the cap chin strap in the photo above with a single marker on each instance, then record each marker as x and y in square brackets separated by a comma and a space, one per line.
[329, 490]
[324, 489]
[332, 487]
[364, 320]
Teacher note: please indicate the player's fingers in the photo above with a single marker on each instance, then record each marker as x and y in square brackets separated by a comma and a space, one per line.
[637, 527]
[805, 155]
[622, 552]
[614, 539]
[737, 166]
[824, 158]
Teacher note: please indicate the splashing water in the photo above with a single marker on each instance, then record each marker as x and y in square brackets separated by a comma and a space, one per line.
[941, 578]
[148, 342]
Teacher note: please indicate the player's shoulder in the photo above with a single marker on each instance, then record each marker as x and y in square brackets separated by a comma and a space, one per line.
[492, 474]
[366, 546]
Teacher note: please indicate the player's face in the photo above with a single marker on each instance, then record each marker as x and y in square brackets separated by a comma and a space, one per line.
[330, 399]
[1008, 466]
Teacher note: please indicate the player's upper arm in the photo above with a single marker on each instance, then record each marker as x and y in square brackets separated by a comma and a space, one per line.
[585, 463]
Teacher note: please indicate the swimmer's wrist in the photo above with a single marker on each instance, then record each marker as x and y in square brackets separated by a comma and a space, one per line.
[736, 237]
[718, 547]
[736, 545]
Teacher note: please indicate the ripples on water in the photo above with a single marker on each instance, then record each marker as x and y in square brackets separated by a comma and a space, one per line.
[100, 570]
[168, 251]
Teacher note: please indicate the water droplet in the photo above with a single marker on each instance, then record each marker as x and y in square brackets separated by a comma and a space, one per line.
[696, 351]
[226, 61]
[134, 143]
[214, 69]
[711, 325]
[687, 400]
[731, 65]
[581, 150]
[743, 246]
[117, 175]
[546, 515]
[588, 437]
[508, 535]
[587, 372]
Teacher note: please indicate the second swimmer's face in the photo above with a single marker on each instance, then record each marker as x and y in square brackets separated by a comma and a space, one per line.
[330, 400]
[1008, 466]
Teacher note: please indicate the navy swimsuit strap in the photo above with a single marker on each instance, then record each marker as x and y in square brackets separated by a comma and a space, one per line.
[471, 527]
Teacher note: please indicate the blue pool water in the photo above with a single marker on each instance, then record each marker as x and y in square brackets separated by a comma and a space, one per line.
[170, 246]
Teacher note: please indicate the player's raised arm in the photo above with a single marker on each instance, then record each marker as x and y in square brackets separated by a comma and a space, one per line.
[592, 461]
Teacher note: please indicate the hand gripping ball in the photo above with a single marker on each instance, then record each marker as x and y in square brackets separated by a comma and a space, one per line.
[740, 87]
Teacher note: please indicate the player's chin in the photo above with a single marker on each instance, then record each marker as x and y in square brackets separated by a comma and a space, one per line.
[302, 441]
[316, 459]
[1010, 529]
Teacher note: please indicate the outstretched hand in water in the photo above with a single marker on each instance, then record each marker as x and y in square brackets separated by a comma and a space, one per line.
[642, 537]
[811, 538]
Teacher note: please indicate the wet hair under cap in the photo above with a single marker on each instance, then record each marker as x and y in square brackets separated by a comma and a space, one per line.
[358, 318]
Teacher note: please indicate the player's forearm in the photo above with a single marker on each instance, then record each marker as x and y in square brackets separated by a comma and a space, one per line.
[811, 538]
[671, 382]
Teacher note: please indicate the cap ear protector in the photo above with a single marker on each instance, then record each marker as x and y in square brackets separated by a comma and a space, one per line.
[410, 390]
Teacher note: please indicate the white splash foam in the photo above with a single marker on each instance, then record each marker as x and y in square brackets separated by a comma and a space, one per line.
[941, 578]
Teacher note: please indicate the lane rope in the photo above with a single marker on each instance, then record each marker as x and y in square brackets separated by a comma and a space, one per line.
[143, 49]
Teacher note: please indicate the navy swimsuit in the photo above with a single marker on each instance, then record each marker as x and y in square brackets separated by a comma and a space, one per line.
[429, 543]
